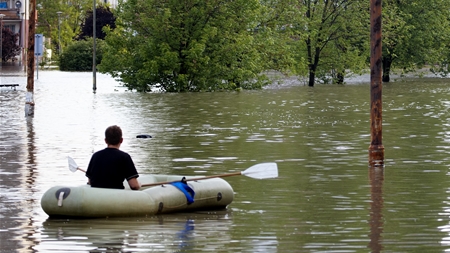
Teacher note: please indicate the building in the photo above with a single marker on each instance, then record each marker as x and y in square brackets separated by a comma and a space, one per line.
[16, 15]
[16, 19]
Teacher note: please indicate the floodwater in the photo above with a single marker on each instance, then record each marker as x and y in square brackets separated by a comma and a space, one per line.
[326, 199]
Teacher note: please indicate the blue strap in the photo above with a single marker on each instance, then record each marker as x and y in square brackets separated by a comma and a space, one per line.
[186, 190]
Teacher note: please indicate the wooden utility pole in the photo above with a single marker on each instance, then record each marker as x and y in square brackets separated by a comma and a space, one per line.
[29, 100]
[376, 149]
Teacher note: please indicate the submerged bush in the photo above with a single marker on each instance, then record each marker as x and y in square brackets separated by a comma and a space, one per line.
[78, 56]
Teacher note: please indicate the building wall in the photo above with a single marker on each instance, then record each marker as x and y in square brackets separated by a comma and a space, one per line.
[16, 19]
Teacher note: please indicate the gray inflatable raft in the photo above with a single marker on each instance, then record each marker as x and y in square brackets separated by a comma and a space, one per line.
[89, 202]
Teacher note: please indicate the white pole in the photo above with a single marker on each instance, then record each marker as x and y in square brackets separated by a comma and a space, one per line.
[59, 33]
[22, 36]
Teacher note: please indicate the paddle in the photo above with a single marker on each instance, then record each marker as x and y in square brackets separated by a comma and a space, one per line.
[258, 171]
[73, 165]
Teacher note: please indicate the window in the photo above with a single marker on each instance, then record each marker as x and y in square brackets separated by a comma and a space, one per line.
[11, 27]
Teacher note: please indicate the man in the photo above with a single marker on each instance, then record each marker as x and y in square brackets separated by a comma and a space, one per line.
[109, 167]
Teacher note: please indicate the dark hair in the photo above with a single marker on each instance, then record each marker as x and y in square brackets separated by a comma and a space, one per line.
[113, 135]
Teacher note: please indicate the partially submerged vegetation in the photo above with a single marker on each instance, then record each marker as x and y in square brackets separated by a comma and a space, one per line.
[198, 45]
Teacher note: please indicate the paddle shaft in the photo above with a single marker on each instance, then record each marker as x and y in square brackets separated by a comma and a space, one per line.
[195, 179]
[258, 171]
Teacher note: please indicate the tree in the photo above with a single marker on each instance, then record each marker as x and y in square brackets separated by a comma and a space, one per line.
[348, 52]
[10, 48]
[194, 45]
[104, 17]
[415, 33]
[78, 56]
[274, 35]
[331, 37]
[73, 13]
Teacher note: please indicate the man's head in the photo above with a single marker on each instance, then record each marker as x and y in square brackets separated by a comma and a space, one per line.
[113, 135]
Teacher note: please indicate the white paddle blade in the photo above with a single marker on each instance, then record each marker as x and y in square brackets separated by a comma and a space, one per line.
[262, 171]
[72, 164]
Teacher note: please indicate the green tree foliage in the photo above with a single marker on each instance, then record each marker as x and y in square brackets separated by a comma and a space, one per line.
[71, 18]
[193, 45]
[349, 48]
[331, 39]
[214, 45]
[10, 48]
[415, 33]
[274, 35]
[78, 56]
[104, 17]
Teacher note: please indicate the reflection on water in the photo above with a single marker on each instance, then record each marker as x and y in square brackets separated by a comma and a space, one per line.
[170, 233]
[324, 200]
[376, 175]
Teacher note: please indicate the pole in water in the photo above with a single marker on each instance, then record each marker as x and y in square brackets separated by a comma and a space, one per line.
[29, 101]
[94, 31]
[37, 67]
[376, 149]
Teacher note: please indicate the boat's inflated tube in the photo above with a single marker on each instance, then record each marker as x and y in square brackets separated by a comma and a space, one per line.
[86, 201]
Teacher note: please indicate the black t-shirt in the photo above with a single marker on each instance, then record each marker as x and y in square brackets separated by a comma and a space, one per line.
[109, 167]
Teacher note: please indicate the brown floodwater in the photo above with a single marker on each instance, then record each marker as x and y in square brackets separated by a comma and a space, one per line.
[326, 199]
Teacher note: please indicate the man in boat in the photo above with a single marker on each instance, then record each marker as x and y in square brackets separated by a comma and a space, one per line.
[109, 167]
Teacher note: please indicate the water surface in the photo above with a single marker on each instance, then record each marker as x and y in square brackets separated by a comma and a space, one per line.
[325, 200]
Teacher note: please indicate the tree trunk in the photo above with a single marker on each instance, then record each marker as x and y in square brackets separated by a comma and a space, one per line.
[313, 62]
[387, 62]
[339, 78]
[312, 75]
[310, 64]
[313, 67]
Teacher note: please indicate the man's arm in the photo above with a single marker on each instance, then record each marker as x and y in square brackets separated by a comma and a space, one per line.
[134, 184]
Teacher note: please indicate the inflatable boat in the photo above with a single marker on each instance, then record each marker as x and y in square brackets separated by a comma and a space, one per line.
[89, 202]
